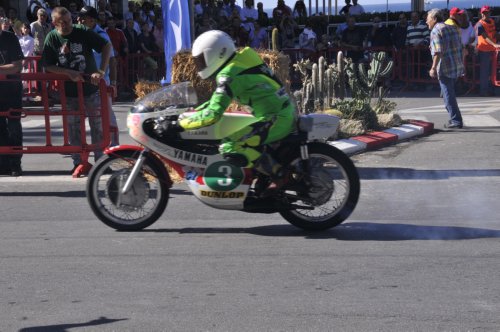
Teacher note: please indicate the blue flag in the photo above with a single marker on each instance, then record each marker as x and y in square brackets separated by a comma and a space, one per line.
[177, 31]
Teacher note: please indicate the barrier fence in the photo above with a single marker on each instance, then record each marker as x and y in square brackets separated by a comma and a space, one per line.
[59, 121]
[495, 77]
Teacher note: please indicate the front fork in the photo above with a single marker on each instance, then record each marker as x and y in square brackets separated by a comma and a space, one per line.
[304, 156]
[135, 170]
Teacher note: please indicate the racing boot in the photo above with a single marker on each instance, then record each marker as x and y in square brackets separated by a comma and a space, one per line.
[270, 167]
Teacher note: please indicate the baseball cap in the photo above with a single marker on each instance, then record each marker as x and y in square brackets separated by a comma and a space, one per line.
[485, 9]
[88, 11]
[456, 11]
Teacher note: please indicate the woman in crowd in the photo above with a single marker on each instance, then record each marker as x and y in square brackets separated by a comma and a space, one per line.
[26, 41]
[258, 36]
[300, 12]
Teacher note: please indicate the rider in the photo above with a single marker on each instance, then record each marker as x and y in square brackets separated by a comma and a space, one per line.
[243, 76]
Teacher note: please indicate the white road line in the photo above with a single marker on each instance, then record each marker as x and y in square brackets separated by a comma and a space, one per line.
[486, 106]
[480, 121]
[43, 179]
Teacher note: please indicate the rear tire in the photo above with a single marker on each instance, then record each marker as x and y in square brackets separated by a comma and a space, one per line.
[141, 206]
[336, 189]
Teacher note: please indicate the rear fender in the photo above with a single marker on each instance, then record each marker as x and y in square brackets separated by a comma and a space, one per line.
[128, 150]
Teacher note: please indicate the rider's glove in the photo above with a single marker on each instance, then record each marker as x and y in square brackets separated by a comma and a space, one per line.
[163, 127]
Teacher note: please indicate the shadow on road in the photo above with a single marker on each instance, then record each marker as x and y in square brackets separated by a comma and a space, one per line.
[358, 231]
[400, 173]
[66, 327]
[70, 193]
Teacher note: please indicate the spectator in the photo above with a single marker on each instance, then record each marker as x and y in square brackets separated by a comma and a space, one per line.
[356, 9]
[447, 65]
[15, 23]
[400, 31]
[147, 45]
[116, 13]
[26, 40]
[147, 14]
[456, 18]
[5, 25]
[159, 35]
[73, 9]
[287, 30]
[32, 10]
[468, 33]
[308, 39]
[198, 9]
[379, 35]
[417, 32]
[129, 14]
[352, 40]
[68, 50]
[324, 43]
[249, 15]
[345, 9]
[486, 46]
[258, 36]
[230, 6]
[262, 17]
[206, 24]
[132, 36]
[39, 29]
[239, 34]
[341, 28]
[299, 12]
[280, 11]
[118, 39]
[11, 132]
[2, 12]
[89, 17]
[102, 19]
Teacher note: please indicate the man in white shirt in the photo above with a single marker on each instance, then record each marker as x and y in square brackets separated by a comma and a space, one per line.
[356, 9]
[248, 15]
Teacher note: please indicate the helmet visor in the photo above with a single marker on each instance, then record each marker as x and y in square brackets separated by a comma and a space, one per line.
[199, 62]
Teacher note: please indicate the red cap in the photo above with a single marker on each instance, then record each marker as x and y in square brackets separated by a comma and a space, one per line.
[456, 11]
[485, 9]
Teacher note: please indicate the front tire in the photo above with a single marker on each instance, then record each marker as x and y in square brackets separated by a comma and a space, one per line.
[333, 192]
[141, 206]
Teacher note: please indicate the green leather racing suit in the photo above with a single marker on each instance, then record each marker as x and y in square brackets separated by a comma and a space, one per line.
[248, 80]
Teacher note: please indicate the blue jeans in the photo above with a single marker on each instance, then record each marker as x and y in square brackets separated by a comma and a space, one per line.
[485, 66]
[450, 99]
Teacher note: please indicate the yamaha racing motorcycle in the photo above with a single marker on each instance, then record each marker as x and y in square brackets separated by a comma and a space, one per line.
[128, 188]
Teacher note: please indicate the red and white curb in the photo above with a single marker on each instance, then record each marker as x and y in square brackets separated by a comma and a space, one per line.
[377, 139]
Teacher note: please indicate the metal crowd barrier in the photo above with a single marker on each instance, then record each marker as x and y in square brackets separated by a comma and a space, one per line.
[136, 68]
[495, 77]
[55, 140]
[30, 65]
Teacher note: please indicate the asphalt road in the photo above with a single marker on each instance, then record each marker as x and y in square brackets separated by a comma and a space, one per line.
[421, 252]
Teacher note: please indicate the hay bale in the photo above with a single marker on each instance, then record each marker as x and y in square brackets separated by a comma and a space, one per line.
[143, 88]
[184, 69]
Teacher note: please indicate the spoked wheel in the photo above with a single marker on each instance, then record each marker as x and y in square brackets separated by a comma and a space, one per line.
[330, 193]
[136, 209]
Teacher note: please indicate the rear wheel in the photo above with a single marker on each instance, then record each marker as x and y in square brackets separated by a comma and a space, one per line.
[141, 206]
[330, 192]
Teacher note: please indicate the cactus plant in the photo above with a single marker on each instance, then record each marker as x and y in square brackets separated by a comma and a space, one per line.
[274, 39]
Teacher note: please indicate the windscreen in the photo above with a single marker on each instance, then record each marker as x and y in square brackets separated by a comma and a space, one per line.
[179, 96]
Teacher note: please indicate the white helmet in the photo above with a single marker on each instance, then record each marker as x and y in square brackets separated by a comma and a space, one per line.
[211, 50]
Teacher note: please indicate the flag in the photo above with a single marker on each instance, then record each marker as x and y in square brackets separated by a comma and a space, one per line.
[177, 31]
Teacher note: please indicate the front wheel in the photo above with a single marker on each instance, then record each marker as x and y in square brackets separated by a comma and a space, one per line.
[329, 193]
[141, 206]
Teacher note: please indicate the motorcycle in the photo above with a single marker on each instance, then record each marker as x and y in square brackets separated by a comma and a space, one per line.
[128, 188]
